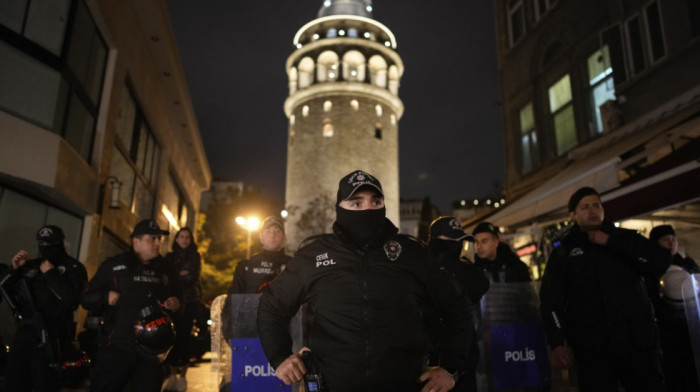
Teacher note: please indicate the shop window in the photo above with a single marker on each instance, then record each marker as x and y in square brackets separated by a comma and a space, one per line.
[562, 112]
[21, 216]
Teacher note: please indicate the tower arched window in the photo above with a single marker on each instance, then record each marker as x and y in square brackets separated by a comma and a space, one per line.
[377, 71]
[354, 66]
[327, 69]
[293, 80]
[394, 79]
[306, 72]
[327, 127]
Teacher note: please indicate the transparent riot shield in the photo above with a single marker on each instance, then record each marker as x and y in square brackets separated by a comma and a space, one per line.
[691, 292]
[241, 362]
[514, 354]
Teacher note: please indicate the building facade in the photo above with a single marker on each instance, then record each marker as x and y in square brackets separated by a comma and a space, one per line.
[601, 94]
[97, 128]
[343, 110]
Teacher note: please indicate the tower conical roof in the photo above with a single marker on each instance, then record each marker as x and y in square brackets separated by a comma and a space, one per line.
[346, 7]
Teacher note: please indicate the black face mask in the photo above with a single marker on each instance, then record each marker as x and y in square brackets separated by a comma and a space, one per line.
[363, 226]
[54, 253]
[441, 246]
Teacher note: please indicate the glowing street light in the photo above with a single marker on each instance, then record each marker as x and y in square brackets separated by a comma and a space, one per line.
[251, 224]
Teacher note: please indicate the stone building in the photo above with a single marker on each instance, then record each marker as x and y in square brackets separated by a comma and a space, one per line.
[97, 129]
[601, 94]
[343, 109]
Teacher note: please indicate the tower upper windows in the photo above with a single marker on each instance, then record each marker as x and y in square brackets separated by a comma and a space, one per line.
[327, 67]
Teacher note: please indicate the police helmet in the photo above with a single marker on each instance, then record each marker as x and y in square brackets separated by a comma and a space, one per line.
[672, 283]
[75, 367]
[154, 330]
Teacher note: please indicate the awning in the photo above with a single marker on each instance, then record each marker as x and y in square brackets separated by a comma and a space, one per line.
[600, 170]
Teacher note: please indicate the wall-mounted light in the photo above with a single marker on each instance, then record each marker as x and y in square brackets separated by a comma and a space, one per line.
[114, 188]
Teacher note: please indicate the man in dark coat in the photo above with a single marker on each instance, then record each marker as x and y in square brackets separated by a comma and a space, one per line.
[495, 258]
[366, 288]
[445, 244]
[43, 294]
[593, 297]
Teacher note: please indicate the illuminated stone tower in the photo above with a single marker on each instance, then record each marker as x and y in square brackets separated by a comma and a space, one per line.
[343, 110]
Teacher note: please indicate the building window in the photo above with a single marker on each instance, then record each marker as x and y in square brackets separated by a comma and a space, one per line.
[174, 206]
[562, 111]
[327, 67]
[528, 139]
[54, 87]
[612, 39]
[327, 106]
[136, 158]
[542, 7]
[645, 38]
[378, 131]
[22, 216]
[516, 21]
[601, 85]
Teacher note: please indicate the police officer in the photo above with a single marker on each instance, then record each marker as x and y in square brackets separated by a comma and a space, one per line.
[593, 296]
[252, 276]
[678, 359]
[366, 288]
[127, 287]
[445, 244]
[495, 258]
[43, 293]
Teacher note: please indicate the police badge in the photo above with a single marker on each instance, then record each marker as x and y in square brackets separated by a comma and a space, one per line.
[392, 250]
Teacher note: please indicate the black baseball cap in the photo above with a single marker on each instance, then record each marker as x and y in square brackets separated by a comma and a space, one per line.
[272, 221]
[486, 227]
[580, 194]
[448, 226]
[660, 231]
[147, 226]
[50, 234]
[352, 182]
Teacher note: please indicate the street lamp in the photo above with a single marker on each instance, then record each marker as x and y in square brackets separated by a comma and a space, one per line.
[251, 224]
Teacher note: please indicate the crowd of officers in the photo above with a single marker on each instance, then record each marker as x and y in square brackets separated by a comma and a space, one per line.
[383, 311]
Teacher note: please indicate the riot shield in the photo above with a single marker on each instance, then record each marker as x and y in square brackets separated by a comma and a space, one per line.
[241, 362]
[514, 354]
[691, 292]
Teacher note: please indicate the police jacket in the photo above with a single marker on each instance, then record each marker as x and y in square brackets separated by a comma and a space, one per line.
[139, 285]
[507, 267]
[252, 276]
[46, 300]
[365, 307]
[595, 296]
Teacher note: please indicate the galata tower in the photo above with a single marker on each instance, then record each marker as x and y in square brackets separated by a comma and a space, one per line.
[343, 110]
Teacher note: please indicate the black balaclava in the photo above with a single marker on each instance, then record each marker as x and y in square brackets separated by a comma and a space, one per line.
[54, 252]
[438, 246]
[362, 226]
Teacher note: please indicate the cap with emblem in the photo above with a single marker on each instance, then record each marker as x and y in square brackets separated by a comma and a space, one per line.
[50, 234]
[272, 221]
[447, 227]
[352, 182]
[485, 227]
[149, 227]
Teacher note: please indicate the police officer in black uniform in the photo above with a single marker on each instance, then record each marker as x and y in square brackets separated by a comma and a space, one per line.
[252, 276]
[366, 289]
[43, 293]
[594, 297]
[445, 244]
[496, 258]
[128, 287]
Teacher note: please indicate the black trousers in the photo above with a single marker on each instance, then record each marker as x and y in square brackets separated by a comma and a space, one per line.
[28, 365]
[636, 373]
[116, 369]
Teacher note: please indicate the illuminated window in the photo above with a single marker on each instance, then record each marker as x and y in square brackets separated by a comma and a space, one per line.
[528, 138]
[601, 84]
[327, 127]
[327, 67]
[327, 106]
[516, 21]
[354, 104]
[562, 110]
[305, 110]
[378, 109]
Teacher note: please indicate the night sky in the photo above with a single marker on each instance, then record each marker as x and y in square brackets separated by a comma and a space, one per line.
[450, 136]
